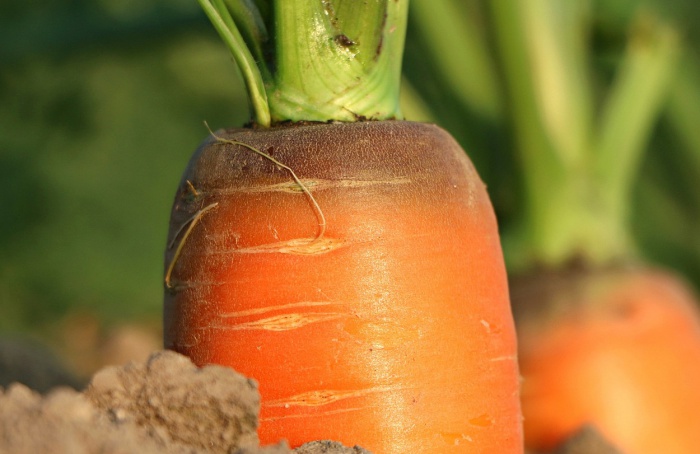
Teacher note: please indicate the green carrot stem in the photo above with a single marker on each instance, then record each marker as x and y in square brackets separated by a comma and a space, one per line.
[577, 173]
[224, 24]
[469, 70]
[338, 60]
[320, 61]
[632, 107]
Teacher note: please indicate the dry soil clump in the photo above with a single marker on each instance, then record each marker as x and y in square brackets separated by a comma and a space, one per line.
[163, 405]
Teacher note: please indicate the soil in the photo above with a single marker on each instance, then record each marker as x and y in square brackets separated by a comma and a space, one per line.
[162, 405]
[587, 441]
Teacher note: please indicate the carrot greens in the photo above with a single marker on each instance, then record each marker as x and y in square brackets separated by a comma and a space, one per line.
[315, 61]
[578, 165]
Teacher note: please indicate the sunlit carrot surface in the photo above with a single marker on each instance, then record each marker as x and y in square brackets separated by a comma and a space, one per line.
[619, 350]
[392, 330]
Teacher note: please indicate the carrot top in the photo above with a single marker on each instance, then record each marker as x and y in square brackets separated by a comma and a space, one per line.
[579, 153]
[315, 61]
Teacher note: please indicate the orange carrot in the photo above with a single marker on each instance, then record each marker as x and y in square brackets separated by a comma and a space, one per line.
[392, 329]
[601, 345]
[352, 267]
[616, 349]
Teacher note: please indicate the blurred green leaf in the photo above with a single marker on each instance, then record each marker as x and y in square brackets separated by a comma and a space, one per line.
[93, 147]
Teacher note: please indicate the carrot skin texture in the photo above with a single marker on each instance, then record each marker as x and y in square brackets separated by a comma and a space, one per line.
[392, 331]
[620, 351]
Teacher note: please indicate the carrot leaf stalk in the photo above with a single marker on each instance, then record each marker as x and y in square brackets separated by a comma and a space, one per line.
[315, 61]
[635, 101]
[470, 73]
[578, 170]
[224, 24]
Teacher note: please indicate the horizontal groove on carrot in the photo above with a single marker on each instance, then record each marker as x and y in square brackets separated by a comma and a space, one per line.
[312, 185]
[299, 246]
[262, 310]
[317, 413]
[284, 322]
[326, 396]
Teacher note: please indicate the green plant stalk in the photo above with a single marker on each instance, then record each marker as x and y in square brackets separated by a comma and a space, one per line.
[556, 40]
[470, 71]
[337, 60]
[252, 27]
[683, 111]
[546, 226]
[224, 24]
[635, 102]
[321, 60]
[577, 173]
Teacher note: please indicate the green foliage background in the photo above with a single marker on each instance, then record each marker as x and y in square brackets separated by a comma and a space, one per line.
[103, 102]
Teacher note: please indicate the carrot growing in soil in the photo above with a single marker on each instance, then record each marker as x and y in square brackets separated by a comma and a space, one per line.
[348, 261]
[604, 339]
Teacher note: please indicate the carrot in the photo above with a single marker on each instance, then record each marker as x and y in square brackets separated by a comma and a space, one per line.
[354, 267]
[604, 340]
[618, 350]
